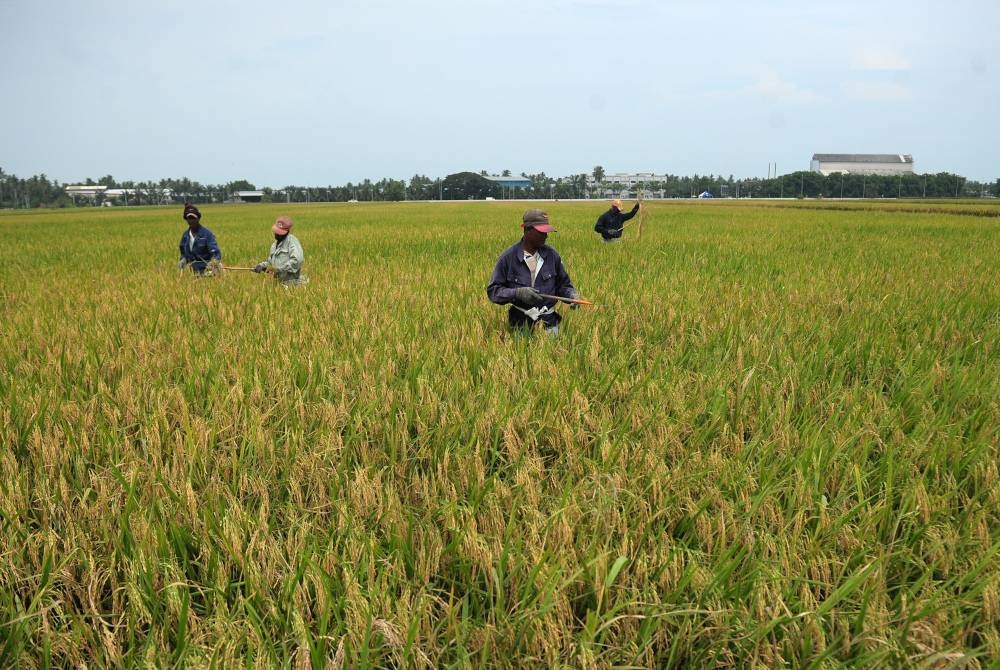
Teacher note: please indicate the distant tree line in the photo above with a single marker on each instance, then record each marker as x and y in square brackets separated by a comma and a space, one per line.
[40, 191]
[839, 185]
[806, 184]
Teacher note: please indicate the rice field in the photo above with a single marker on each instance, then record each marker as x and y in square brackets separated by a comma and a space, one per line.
[771, 443]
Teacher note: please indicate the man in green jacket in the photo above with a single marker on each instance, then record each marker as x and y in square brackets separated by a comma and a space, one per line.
[285, 259]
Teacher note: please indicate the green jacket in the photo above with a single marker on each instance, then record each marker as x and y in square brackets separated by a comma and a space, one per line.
[285, 259]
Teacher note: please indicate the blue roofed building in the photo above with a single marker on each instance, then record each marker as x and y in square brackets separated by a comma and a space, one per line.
[510, 182]
[508, 185]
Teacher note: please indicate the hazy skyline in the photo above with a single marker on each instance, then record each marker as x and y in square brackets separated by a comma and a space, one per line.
[317, 93]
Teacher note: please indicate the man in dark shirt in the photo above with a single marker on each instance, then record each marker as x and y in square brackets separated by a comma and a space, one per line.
[198, 246]
[527, 270]
[610, 224]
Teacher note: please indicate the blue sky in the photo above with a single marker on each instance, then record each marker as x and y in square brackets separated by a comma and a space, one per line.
[324, 93]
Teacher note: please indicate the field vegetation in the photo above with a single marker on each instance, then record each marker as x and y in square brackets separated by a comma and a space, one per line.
[772, 442]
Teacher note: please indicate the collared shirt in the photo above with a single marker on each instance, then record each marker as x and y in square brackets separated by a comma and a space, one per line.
[511, 273]
[534, 262]
[198, 248]
[286, 258]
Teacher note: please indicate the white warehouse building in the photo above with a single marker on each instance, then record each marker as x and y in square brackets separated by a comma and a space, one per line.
[624, 184]
[884, 164]
[626, 180]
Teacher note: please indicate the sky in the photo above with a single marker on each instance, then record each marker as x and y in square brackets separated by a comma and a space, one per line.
[329, 92]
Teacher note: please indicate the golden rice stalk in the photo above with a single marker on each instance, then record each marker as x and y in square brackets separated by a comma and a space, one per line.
[642, 213]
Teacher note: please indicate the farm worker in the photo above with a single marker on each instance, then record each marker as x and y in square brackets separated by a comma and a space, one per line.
[610, 224]
[527, 270]
[198, 245]
[285, 259]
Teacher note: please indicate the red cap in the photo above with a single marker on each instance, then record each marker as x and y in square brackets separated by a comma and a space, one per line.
[537, 219]
[282, 225]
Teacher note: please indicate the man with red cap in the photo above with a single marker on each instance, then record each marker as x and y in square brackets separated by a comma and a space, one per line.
[198, 246]
[610, 224]
[285, 259]
[526, 271]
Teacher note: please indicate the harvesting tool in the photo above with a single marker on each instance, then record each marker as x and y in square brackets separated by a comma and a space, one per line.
[570, 301]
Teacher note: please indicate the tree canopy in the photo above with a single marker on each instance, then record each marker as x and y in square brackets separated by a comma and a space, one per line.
[40, 191]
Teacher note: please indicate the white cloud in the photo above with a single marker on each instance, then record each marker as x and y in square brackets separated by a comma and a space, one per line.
[879, 58]
[771, 86]
[877, 92]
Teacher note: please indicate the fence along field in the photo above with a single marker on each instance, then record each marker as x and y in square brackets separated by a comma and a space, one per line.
[772, 442]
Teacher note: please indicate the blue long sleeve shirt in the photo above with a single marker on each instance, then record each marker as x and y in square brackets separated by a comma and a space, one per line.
[609, 224]
[512, 273]
[204, 248]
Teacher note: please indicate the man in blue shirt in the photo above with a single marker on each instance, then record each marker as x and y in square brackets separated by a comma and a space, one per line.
[612, 222]
[527, 270]
[198, 245]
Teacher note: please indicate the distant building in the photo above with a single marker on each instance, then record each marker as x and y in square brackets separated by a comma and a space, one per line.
[623, 184]
[884, 164]
[508, 185]
[509, 182]
[96, 192]
[119, 193]
[249, 196]
[627, 179]
[84, 191]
